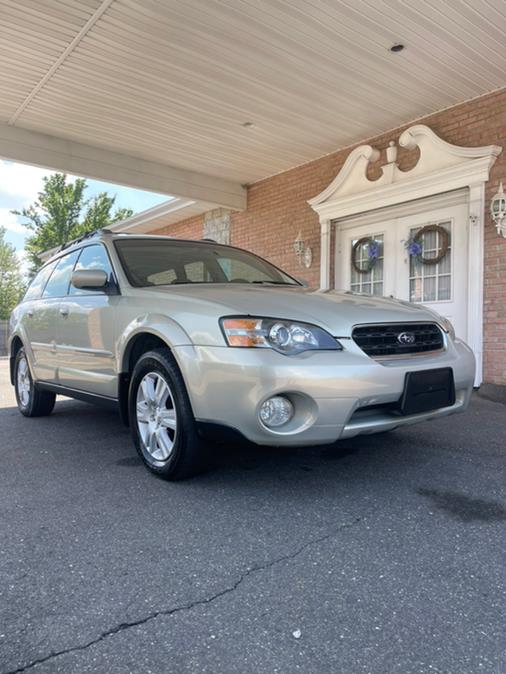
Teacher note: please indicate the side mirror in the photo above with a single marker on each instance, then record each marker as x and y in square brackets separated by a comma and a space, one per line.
[89, 279]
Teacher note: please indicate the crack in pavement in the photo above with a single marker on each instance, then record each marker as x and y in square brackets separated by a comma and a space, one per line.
[187, 607]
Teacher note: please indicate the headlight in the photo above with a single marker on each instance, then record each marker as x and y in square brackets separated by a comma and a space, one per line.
[288, 337]
[447, 326]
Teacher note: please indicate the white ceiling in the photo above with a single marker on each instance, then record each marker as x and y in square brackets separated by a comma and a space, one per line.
[172, 81]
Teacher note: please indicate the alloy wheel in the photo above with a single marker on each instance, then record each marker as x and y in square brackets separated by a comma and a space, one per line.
[156, 416]
[23, 381]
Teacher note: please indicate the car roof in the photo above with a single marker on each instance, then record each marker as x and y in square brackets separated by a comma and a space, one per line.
[125, 235]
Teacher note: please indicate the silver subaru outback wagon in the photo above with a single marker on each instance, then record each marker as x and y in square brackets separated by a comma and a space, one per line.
[192, 341]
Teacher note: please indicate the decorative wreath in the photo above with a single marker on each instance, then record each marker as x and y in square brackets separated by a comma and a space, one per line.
[415, 245]
[373, 253]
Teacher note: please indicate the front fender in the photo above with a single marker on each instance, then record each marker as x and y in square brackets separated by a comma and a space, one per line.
[159, 325]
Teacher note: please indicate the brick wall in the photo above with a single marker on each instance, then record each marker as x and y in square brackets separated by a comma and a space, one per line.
[278, 209]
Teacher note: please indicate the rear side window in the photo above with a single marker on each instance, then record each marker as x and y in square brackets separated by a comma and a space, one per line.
[92, 257]
[37, 285]
[58, 284]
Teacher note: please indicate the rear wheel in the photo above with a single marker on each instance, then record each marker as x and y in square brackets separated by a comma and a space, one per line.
[31, 401]
[162, 422]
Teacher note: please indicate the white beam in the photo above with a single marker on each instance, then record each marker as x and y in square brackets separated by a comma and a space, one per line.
[32, 147]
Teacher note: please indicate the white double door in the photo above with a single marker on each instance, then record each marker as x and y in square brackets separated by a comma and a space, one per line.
[397, 273]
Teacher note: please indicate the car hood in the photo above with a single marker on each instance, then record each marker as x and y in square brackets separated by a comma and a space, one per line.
[335, 311]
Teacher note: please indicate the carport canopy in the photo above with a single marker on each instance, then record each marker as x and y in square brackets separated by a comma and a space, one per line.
[195, 99]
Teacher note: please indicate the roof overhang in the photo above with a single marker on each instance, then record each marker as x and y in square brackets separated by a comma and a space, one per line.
[167, 213]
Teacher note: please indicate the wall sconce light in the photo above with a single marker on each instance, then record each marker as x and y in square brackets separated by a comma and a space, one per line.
[303, 253]
[498, 211]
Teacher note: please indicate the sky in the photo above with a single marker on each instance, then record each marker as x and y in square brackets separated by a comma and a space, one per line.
[21, 183]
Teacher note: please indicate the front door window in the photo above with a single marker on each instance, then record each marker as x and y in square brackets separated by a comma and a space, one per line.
[431, 282]
[367, 261]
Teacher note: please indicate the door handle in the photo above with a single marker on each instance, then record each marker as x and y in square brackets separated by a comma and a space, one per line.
[64, 311]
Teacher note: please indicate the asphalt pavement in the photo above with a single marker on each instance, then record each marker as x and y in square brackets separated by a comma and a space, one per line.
[381, 555]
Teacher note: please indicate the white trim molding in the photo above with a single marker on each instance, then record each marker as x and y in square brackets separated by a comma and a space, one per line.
[441, 167]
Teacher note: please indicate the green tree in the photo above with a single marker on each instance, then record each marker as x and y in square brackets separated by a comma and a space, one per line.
[62, 213]
[11, 280]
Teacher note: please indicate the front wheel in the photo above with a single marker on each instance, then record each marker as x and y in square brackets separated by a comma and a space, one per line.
[31, 401]
[161, 419]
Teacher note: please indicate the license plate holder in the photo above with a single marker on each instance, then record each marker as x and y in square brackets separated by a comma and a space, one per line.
[427, 390]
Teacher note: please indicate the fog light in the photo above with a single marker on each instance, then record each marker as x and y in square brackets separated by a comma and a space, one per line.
[276, 411]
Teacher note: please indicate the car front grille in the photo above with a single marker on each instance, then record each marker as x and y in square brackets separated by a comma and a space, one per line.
[398, 339]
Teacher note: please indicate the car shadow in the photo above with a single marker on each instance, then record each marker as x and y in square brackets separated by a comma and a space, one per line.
[98, 438]
[353, 477]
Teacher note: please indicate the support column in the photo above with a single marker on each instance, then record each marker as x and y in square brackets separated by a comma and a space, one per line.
[475, 266]
[325, 255]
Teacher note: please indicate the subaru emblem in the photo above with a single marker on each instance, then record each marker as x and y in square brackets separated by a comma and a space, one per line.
[406, 338]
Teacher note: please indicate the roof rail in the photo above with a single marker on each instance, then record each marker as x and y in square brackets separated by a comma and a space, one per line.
[87, 235]
[47, 254]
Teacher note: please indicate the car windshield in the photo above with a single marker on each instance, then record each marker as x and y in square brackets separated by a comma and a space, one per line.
[155, 262]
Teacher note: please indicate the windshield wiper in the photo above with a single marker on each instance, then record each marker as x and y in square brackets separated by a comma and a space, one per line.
[185, 283]
[195, 283]
[275, 283]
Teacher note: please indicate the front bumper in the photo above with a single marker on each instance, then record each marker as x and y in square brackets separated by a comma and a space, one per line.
[329, 389]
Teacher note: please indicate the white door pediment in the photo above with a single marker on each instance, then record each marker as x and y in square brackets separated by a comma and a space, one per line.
[441, 167]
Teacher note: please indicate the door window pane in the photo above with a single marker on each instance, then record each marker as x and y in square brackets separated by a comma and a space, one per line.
[431, 282]
[92, 257]
[444, 290]
[415, 290]
[58, 284]
[37, 285]
[371, 281]
[429, 289]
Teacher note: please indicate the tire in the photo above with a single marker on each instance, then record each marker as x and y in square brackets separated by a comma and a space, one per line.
[32, 402]
[161, 419]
